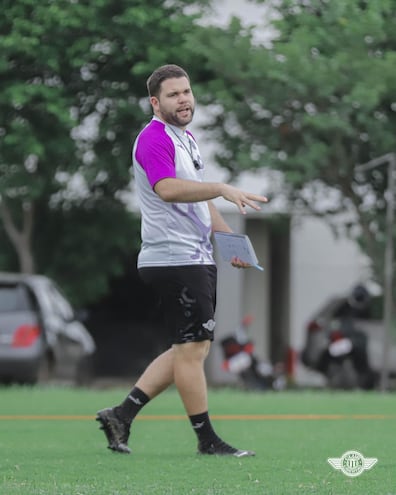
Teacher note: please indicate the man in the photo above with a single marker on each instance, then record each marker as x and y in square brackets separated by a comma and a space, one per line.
[176, 259]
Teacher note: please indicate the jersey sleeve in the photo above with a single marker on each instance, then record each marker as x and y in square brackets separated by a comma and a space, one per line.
[155, 153]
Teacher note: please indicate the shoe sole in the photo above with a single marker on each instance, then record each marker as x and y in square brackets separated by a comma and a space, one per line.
[239, 453]
[244, 453]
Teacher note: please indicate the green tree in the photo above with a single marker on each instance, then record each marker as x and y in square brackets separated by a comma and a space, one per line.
[316, 102]
[71, 88]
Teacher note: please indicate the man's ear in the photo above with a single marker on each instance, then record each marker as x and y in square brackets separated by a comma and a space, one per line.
[154, 102]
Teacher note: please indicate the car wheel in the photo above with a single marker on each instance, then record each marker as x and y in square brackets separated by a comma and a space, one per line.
[41, 374]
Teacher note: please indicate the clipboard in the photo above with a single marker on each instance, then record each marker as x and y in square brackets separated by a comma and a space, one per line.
[236, 245]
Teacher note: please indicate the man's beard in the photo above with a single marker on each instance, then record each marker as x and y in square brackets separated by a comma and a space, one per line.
[174, 119]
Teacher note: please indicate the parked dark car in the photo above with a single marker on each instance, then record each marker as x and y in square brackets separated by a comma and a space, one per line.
[344, 341]
[41, 338]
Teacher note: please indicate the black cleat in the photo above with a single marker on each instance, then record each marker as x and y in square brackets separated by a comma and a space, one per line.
[116, 430]
[218, 447]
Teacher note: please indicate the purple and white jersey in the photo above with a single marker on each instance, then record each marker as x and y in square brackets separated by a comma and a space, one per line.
[172, 233]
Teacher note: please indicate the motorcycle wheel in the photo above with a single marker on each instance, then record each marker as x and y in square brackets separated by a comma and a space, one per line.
[342, 375]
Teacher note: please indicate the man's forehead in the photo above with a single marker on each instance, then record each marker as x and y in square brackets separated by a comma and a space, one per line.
[175, 84]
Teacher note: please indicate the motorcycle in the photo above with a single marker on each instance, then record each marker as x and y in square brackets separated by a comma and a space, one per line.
[240, 359]
[338, 346]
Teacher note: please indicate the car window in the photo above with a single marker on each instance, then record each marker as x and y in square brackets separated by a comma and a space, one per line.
[15, 298]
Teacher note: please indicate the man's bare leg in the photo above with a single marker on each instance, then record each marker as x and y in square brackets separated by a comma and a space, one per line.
[189, 375]
[158, 375]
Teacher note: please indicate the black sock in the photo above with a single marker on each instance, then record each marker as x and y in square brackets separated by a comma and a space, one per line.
[203, 427]
[132, 404]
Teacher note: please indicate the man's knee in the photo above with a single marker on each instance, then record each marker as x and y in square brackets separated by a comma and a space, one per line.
[196, 351]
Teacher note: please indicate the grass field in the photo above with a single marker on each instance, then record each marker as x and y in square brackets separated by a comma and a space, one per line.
[51, 445]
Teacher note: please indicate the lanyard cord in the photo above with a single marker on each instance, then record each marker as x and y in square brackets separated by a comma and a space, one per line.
[189, 151]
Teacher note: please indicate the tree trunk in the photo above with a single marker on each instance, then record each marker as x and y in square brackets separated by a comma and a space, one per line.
[20, 238]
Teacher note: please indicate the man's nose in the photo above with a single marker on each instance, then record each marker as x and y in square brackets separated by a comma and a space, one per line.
[182, 98]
